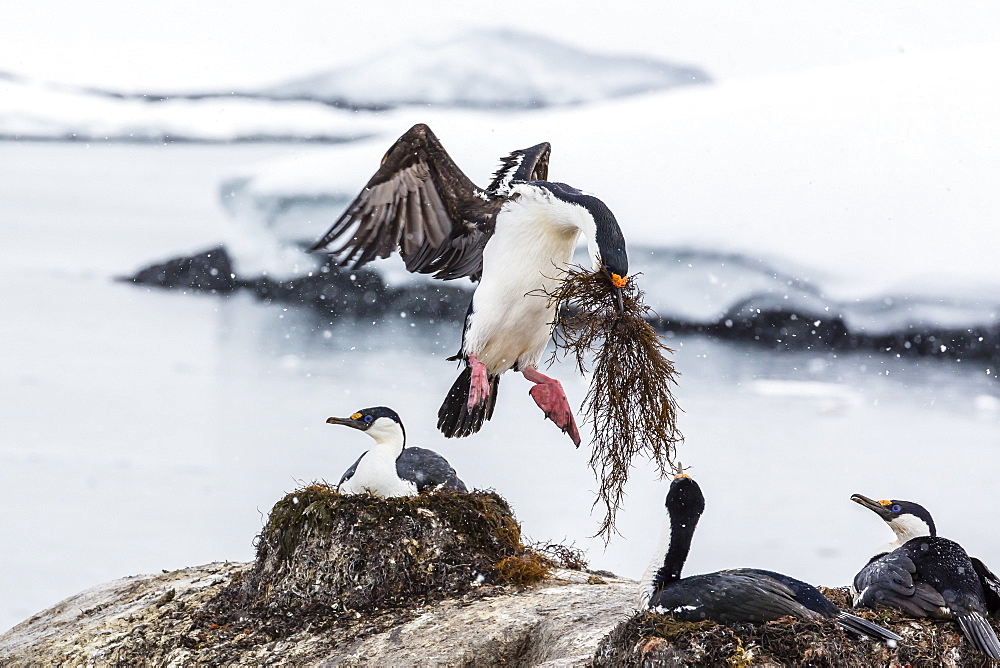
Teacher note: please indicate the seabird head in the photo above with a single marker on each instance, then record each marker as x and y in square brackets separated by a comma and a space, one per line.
[685, 502]
[604, 239]
[906, 519]
[381, 423]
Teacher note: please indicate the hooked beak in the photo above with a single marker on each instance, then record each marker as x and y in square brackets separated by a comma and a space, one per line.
[347, 422]
[872, 505]
[618, 284]
[619, 303]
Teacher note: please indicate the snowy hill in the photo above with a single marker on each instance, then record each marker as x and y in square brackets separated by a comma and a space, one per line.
[489, 69]
[486, 69]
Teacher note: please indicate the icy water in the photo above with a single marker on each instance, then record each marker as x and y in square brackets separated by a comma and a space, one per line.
[143, 430]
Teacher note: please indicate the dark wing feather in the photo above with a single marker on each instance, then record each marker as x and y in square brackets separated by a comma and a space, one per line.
[862, 626]
[813, 598]
[888, 579]
[427, 468]
[991, 585]
[804, 593]
[527, 164]
[980, 633]
[349, 473]
[729, 596]
[422, 204]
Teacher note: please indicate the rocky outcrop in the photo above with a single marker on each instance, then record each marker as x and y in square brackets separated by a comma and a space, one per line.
[158, 620]
[438, 579]
[572, 618]
[357, 293]
[441, 577]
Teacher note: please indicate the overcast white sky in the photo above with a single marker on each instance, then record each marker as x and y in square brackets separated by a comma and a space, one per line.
[200, 44]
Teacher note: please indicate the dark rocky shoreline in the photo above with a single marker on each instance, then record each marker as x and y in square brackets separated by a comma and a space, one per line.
[363, 293]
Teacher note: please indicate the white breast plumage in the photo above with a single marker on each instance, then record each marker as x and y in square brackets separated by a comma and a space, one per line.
[376, 474]
[532, 246]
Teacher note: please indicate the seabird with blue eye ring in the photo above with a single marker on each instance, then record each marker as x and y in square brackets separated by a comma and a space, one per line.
[514, 237]
[392, 468]
[926, 575]
[734, 595]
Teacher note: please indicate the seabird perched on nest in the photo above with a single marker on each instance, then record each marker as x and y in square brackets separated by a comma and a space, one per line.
[926, 575]
[735, 595]
[391, 468]
[515, 237]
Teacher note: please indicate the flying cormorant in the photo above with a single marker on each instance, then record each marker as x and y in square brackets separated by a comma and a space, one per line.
[515, 237]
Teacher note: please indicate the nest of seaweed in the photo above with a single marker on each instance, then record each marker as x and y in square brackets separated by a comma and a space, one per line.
[649, 639]
[630, 404]
[321, 549]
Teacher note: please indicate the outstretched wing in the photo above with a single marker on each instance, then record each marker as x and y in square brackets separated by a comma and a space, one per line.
[528, 164]
[421, 203]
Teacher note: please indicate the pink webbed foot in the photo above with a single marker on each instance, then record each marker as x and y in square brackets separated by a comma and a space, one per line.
[479, 388]
[550, 397]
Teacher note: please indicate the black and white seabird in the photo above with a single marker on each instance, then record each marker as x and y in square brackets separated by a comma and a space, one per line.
[926, 575]
[391, 468]
[514, 237]
[735, 595]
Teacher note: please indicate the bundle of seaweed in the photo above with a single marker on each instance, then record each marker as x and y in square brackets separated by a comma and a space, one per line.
[569, 557]
[629, 404]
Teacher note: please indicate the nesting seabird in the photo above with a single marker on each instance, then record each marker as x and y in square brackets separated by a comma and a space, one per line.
[734, 595]
[926, 575]
[391, 468]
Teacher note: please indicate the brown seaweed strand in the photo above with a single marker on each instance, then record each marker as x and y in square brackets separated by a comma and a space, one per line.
[629, 404]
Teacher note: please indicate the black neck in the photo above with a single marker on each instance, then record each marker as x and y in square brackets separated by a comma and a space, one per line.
[681, 533]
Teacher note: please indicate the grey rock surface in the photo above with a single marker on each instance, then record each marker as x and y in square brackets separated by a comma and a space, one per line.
[556, 623]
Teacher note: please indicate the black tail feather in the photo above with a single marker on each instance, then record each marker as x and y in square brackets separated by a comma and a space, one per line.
[454, 418]
[980, 633]
[864, 627]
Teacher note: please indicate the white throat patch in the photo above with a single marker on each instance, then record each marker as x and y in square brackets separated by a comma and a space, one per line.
[376, 472]
[907, 527]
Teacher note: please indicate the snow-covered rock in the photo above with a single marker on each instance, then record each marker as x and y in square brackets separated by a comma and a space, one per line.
[488, 69]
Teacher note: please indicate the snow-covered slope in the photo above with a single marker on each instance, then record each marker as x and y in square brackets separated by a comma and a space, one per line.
[36, 110]
[489, 69]
[868, 190]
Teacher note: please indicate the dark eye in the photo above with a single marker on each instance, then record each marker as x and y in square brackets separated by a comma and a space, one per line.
[368, 419]
[895, 508]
